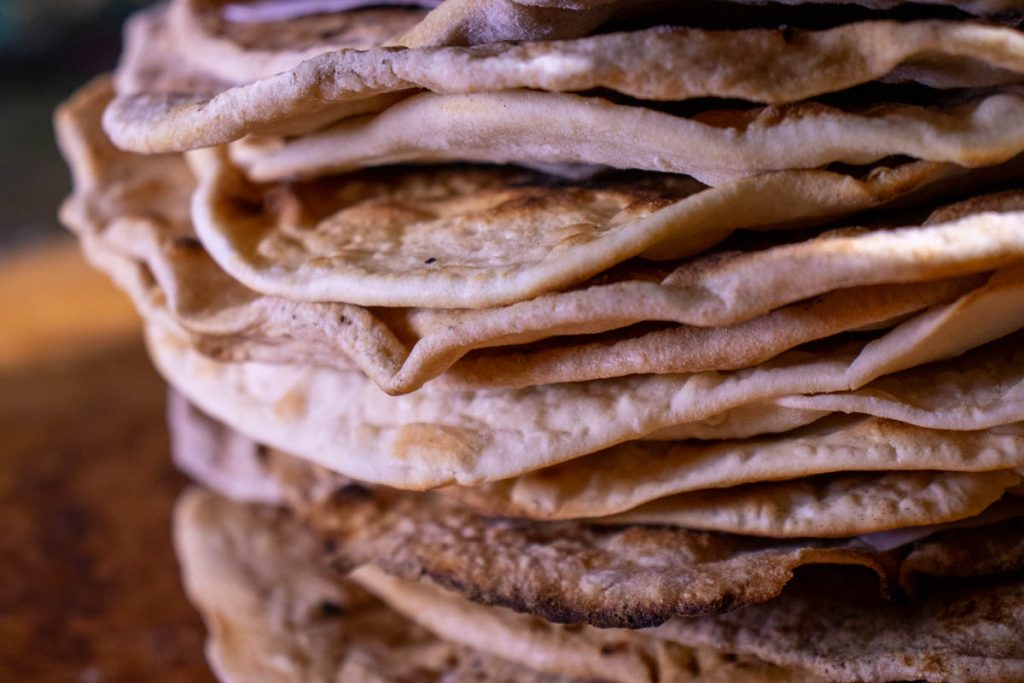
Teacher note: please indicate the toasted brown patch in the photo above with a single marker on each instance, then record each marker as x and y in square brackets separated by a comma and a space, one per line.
[438, 445]
[566, 572]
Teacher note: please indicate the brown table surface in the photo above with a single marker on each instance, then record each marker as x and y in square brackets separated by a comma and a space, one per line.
[89, 587]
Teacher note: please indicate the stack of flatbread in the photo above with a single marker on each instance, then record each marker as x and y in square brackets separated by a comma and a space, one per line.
[580, 339]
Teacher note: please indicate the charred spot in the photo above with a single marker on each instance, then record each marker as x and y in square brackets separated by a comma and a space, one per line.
[351, 493]
[188, 243]
[609, 649]
[533, 199]
[330, 610]
[341, 565]
[249, 207]
[553, 608]
[430, 261]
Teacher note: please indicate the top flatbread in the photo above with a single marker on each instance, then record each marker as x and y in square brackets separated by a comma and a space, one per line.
[658, 64]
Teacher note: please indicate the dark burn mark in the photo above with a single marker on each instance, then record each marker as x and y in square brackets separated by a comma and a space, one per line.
[554, 609]
[253, 208]
[188, 243]
[330, 610]
[609, 649]
[351, 493]
[430, 261]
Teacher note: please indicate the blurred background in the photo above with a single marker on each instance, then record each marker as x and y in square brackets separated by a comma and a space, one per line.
[84, 466]
[53, 304]
[47, 48]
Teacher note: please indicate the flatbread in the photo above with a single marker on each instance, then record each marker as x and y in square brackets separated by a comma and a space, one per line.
[287, 97]
[150, 63]
[276, 614]
[436, 534]
[695, 349]
[156, 71]
[926, 396]
[742, 422]
[626, 576]
[435, 242]
[830, 506]
[836, 629]
[631, 474]
[432, 437]
[564, 571]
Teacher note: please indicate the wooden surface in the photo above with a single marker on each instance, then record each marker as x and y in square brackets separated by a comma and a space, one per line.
[89, 588]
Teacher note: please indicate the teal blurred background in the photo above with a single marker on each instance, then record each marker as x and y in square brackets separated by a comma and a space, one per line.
[47, 49]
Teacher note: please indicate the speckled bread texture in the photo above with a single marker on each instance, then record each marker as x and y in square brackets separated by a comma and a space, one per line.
[630, 576]
[277, 612]
[959, 632]
[260, 576]
[863, 655]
